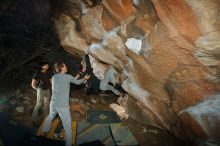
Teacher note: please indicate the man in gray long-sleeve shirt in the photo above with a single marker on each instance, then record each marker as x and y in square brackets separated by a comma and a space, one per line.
[60, 100]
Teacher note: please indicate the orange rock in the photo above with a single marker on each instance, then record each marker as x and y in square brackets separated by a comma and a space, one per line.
[178, 18]
[176, 66]
[92, 23]
[119, 10]
[202, 119]
[108, 22]
[192, 127]
[184, 19]
[143, 23]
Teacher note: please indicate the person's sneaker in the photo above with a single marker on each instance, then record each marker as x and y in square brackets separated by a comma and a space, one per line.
[56, 135]
[59, 136]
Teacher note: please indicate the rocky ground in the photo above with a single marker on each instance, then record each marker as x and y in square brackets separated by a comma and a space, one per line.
[19, 103]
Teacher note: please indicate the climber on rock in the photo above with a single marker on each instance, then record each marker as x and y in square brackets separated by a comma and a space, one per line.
[110, 82]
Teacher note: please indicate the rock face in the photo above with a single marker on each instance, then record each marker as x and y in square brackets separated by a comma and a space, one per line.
[173, 70]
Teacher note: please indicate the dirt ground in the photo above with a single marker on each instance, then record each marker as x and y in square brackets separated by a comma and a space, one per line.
[20, 103]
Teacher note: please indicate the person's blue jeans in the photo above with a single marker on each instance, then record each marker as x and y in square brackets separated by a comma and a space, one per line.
[65, 117]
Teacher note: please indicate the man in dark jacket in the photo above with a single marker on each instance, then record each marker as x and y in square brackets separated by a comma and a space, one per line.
[41, 83]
